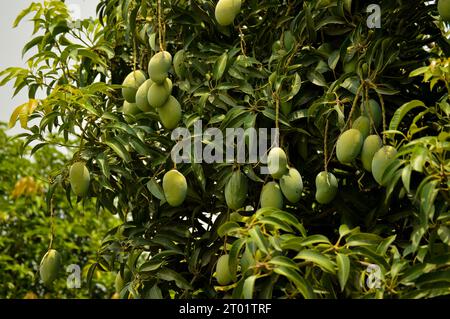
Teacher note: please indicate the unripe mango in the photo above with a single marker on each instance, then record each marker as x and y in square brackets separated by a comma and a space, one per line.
[277, 162]
[371, 145]
[236, 190]
[247, 261]
[131, 84]
[291, 185]
[381, 160]
[79, 178]
[444, 9]
[326, 187]
[119, 283]
[373, 112]
[223, 274]
[141, 96]
[170, 113]
[130, 110]
[158, 94]
[174, 187]
[226, 11]
[50, 266]
[178, 64]
[349, 145]
[362, 124]
[271, 196]
[159, 66]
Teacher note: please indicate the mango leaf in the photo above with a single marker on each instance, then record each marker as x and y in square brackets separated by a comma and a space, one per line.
[302, 285]
[402, 111]
[343, 264]
[317, 258]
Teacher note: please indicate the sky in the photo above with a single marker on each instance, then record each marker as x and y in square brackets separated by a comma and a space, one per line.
[13, 40]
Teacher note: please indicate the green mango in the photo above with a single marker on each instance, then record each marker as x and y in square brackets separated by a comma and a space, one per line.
[130, 110]
[371, 145]
[223, 274]
[444, 9]
[236, 190]
[373, 112]
[131, 84]
[79, 178]
[179, 66]
[141, 96]
[170, 113]
[326, 187]
[349, 145]
[291, 185]
[50, 266]
[226, 11]
[158, 94]
[159, 66]
[247, 261]
[174, 187]
[381, 160]
[119, 283]
[362, 124]
[277, 162]
[271, 196]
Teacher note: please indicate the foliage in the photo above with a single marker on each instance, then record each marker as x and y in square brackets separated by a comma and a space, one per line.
[25, 227]
[305, 66]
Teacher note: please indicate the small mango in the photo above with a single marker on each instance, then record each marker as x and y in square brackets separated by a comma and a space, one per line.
[142, 96]
[50, 266]
[349, 146]
[277, 162]
[326, 187]
[170, 113]
[131, 84]
[373, 112]
[291, 185]
[226, 11]
[236, 190]
[158, 94]
[371, 145]
[79, 178]
[159, 66]
[362, 124]
[381, 160]
[271, 196]
[223, 274]
[174, 187]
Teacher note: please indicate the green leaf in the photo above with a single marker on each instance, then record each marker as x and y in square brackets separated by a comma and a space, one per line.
[119, 149]
[402, 111]
[220, 66]
[259, 239]
[233, 259]
[249, 287]
[156, 189]
[229, 228]
[317, 258]
[283, 261]
[444, 234]
[170, 275]
[343, 265]
[302, 285]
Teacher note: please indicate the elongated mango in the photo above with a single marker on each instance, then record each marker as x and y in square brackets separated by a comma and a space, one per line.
[142, 96]
[326, 187]
[291, 185]
[159, 66]
[362, 124]
[277, 162]
[170, 113]
[236, 190]
[373, 112]
[158, 94]
[118, 283]
[179, 66]
[271, 196]
[371, 145]
[174, 187]
[131, 84]
[223, 274]
[50, 266]
[381, 160]
[349, 146]
[79, 178]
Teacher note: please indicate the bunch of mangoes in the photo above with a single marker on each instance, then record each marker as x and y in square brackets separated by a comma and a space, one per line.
[143, 95]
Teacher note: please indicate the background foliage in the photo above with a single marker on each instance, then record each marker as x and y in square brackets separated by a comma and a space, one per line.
[319, 61]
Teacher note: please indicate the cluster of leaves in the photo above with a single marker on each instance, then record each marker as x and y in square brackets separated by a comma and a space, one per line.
[25, 228]
[316, 61]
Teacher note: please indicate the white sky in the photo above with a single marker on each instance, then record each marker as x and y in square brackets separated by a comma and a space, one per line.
[13, 40]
